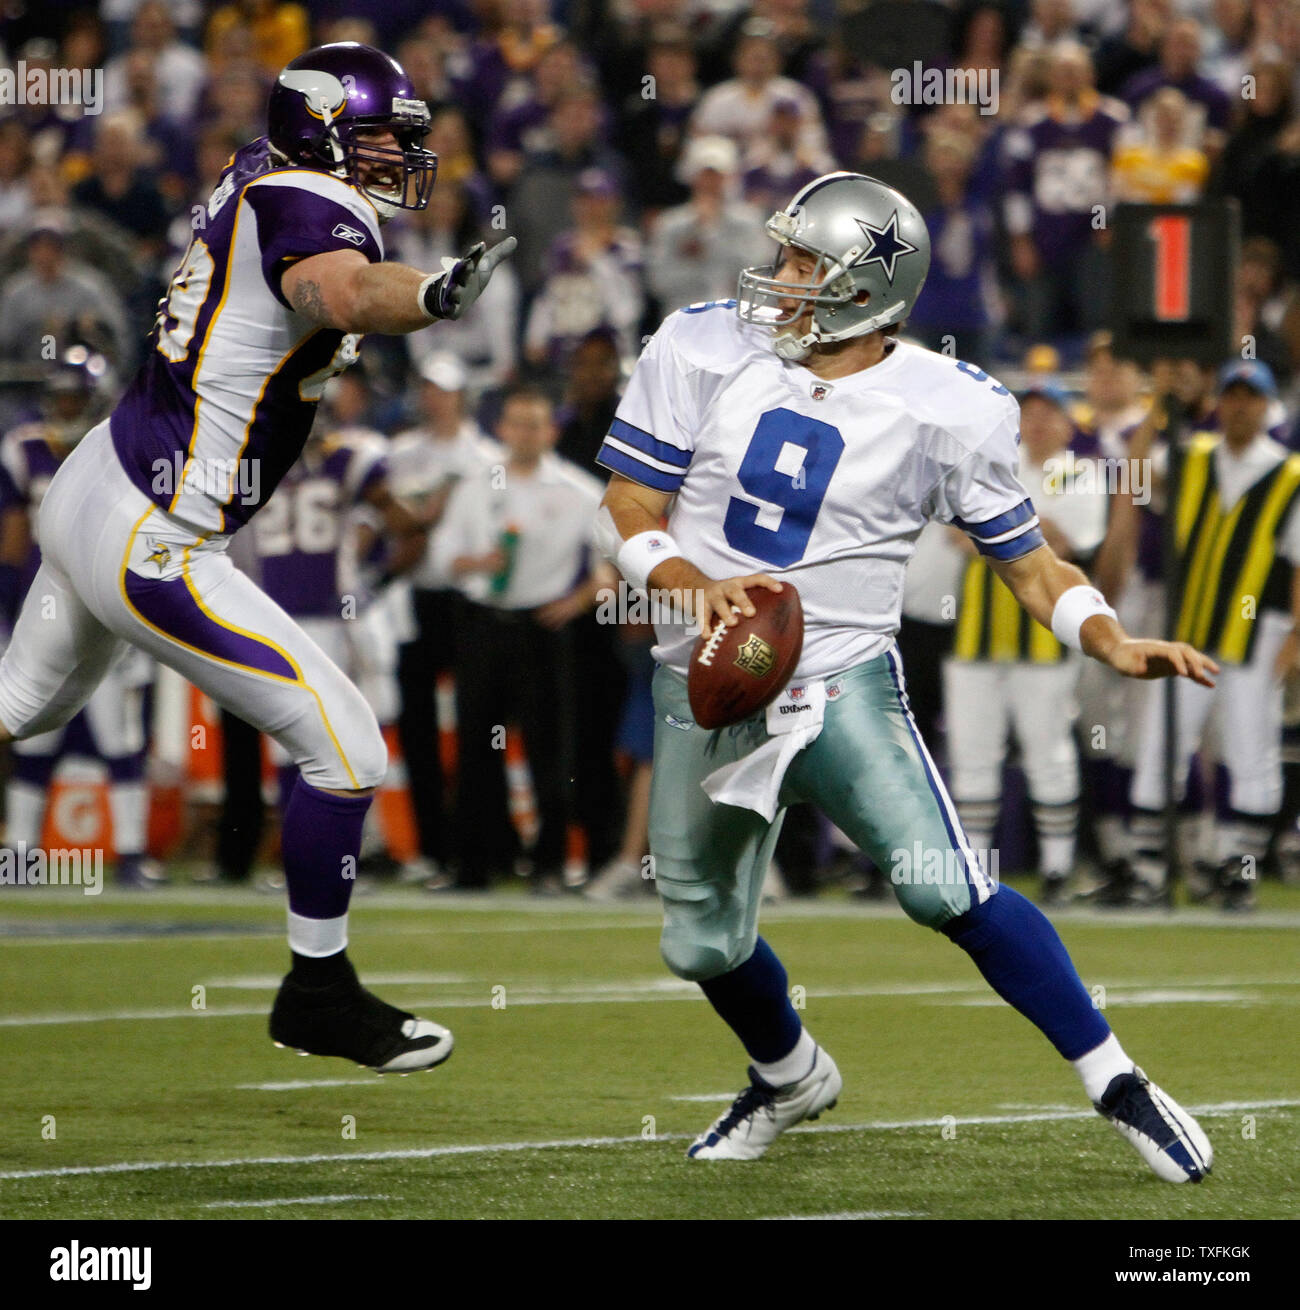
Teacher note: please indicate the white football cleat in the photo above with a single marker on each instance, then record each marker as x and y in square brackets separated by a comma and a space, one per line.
[1161, 1131]
[761, 1112]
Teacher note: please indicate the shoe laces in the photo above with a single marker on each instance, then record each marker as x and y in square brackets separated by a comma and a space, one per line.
[752, 1101]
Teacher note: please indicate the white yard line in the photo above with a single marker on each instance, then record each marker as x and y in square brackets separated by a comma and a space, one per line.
[308, 1084]
[851, 1214]
[645, 991]
[573, 1143]
[288, 1200]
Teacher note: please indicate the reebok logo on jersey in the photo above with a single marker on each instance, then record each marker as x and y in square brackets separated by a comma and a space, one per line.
[349, 234]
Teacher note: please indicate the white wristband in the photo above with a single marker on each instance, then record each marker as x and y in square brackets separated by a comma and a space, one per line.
[1073, 607]
[638, 556]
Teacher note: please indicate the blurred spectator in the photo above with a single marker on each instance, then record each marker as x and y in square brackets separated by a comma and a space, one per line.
[1058, 161]
[1164, 168]
[653, 125]
[235, 101]
[179, 69]
[539, 204]
[51, 296]
[590, 398]
[485, 342]
[426, 463]
[121, 189]
[779, 165]
[593, 278]
[1237, 171]
[1049, 22]
[1113, 403]
[983, 37]
[1261, 305]
[1180, 53]
[513, 36]
[212, 154]
[15, 170]
[1228, 59]
[451, 140]
[1122, 57]
[519, 539]
[699, 248]
[954, 313]
[280, 32]
[519, 124]
[741, 107]
[1276, 212]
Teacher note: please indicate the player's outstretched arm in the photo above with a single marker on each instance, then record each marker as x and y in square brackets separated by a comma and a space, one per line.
[1061, 598]
[342, 289]
[630, 535]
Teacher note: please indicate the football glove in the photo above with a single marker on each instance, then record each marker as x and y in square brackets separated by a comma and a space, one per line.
[453, 291]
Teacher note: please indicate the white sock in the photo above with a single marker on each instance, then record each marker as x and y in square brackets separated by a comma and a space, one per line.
[25, 811]
[317, 937]
[1056, 855]
[1098, 1066]
[790, 1068]
[128, 802]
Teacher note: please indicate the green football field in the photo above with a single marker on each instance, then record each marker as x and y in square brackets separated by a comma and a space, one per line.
[137, 1079]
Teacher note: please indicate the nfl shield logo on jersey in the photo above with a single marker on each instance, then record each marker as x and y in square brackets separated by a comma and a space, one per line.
[820, 391]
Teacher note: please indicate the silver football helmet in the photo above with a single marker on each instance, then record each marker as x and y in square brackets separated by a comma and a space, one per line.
[868, 238]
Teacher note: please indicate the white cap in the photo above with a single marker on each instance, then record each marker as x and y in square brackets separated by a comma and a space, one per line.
[716, 152]
[445, 371]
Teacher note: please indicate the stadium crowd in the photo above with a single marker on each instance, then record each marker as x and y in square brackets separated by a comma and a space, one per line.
[635, 149]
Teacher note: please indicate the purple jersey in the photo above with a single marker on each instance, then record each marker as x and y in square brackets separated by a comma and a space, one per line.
[28, 460]
[1057, 166]
[221, 407]
[303, 542]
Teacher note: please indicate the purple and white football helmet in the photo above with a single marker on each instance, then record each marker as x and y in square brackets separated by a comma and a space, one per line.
[326, 101]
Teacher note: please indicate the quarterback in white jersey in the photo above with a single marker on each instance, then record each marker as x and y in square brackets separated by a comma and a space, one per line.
[284, 273]
[790, 437]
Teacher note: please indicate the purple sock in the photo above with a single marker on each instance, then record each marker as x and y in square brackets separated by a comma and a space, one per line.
[320, 841]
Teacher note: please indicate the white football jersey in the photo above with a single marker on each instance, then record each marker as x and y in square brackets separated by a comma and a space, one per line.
[824, 484]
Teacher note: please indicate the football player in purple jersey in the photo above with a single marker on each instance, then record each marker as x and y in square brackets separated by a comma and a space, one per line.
[283, 275]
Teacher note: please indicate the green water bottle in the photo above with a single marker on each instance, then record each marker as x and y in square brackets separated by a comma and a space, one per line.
[509, 544]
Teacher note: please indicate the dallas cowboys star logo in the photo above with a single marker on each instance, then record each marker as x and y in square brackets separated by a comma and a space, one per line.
[886, 245]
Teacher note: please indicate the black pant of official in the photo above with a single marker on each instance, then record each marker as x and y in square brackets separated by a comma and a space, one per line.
[419, 662]
[509, 668]
[924, 647]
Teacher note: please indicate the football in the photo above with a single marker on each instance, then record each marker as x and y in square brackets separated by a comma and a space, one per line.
[735, 672]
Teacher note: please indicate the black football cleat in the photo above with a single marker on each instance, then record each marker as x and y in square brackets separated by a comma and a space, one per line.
[344, 1019]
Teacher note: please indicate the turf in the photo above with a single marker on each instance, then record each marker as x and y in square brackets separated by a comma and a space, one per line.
[573, 1044]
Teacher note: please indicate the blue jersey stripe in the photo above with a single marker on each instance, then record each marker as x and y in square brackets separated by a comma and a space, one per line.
[619, 462]
[649, 444]
[994, 527]
[1015, 547]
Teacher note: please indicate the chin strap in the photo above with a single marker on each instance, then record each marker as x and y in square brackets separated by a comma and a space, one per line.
[792, 347]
